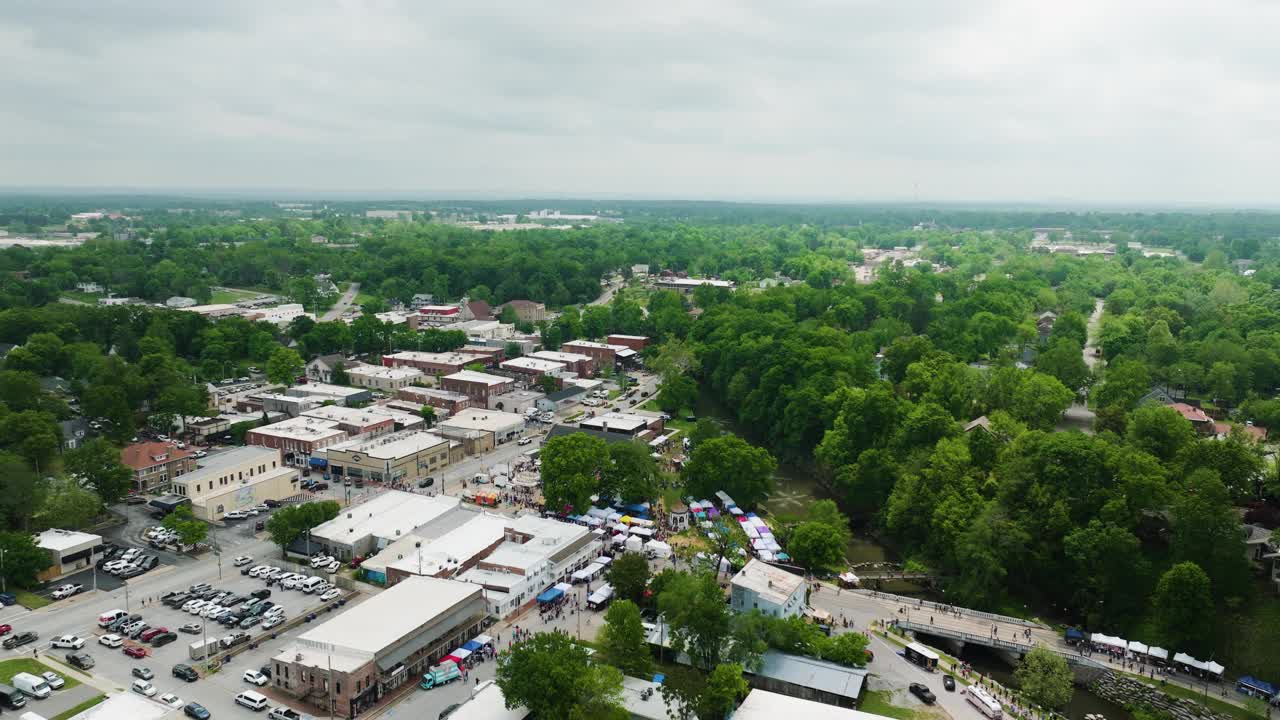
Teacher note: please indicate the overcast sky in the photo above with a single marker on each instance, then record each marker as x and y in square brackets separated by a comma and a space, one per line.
[1089, 101]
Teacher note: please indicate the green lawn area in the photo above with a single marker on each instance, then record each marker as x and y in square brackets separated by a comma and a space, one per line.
[1246, 640]
[671, 496]
[232, 295]
[91, 298]
[30, 600]
[72, 712]
[9, 668]
[877, 702]
[1213, 703]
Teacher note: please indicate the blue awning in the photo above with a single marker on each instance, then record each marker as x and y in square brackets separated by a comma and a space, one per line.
[1074, 634]
[550, 595]
[319, 462]
[472, 645]
[1253, 683]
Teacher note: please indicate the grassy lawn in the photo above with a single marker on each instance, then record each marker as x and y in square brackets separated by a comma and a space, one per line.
[72, 712]
[30, 600]
[91, 298]
[232, 295]
[1213, 703]
[1246, 640]
[9, 668]
[877, 702]
[671, 496]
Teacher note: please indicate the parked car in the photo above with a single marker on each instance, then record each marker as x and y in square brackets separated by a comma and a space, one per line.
[949, 683]
[142, 687]
[182, 671]
[66, 591]
[163, 639]
[20, 639]
[173, 701]
[5, 629]
[135, 651]
[191, 628]
[54, 679]
[330, 594]
[925, 694]
[152, 632]
[73, 642]
[254, 677]
[80, 660]
[196, 710]
[143, 673]
[242, 560]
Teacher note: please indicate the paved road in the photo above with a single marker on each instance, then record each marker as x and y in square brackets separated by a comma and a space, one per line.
[343, 304]
[1095, 324]
[608, 293]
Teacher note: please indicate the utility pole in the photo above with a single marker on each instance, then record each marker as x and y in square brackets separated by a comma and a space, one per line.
[4, 585]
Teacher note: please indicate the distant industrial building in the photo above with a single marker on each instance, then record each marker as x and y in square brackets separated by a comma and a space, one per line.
[581, 364]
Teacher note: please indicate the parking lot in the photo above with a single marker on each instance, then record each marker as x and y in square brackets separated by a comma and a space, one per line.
[215, 690]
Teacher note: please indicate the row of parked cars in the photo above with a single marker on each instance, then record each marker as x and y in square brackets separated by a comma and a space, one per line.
[142, 685]
[121, 625]
[25, 685]
[225, 607]
[312, 584]
[126, 562]
[254, 511]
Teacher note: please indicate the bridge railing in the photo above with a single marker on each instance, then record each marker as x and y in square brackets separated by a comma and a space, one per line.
[995, 642]
[913, 602]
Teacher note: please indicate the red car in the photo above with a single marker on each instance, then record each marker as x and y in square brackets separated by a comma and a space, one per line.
[6, 629]
[146, 636]
[135, 651]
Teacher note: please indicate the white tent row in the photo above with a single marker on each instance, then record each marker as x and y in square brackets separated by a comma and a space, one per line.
[634, 544]
[596, 512]
[1137, 647]
[1109, 641]
[642, 532]
[1158, 652]
[751, 531]
[641, 522]
[1210, 667]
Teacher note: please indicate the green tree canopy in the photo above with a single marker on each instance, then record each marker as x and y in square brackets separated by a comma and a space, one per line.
[554, 678]
[1045, 678]
[629, 575]
[1182, 606]
[730, 464]
[571, 469]
[622, 640]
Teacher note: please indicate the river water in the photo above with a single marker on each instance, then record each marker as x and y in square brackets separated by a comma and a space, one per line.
[796, 489]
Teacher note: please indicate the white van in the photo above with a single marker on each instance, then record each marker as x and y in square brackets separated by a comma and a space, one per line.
[32, 685]
[310, 584]
[110, 616]
[252, 700]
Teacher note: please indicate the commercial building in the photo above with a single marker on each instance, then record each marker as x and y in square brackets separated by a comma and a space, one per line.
[688, 285]
[452, 402]
[364, 529]
[278, 315]
[345, 665]
[477, 385]
[156, 464]
[772, 591]
[237, 479]
[290, 405]
[496, 352]
[605, 355]
[635, 342]
[439, 314]
[69, 552]
[443, 556]
[487, 329]
[629, 424]
[215, 311]
[765, 705]
[297, 439]
[526, 310]
[532, 368]
[564, 398]
[339, 394]
[388, 379]
[516, 401]
[488, 703]
[581, 364]
[431, 363]
[367, 422]
[503, 426]
[536, 554]
[402, 457]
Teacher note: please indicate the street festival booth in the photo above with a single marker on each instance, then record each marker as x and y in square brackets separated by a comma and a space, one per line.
[1158, 655]
[1214, 669]
[1107, 641]
[642, 532]
[459, 656]
[1254, 687]
[1073, 636]
[634, 544]
[848, 580]
[1198, 667]
[658, 549]
[1138, 648]
[550, 595]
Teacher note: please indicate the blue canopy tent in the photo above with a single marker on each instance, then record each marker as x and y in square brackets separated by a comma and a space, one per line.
[1074, 636]
[472, 645]
[550, 595]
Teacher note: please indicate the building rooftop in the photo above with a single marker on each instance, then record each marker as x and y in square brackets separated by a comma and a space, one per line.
[562, 430]
[149, 454]
[482, 419]
[449, 551]
[217, 462]
[770, 583]
[386, 373]
[629, 337]
[533, 364]
[60, 540]
[348, 416]
[652, 709]
[124, 706]
[813, 673]
[695, 282]
[1193, 414]
[616, 422]
[488, 703]
[765, 705]
[391, 514]
[391, 447]
[327, 389]
[472, 376]
[561, 357]
[301, 428]
[595, 345]
[445, 358]
[566, 392]
[364, 631]
[449, 395]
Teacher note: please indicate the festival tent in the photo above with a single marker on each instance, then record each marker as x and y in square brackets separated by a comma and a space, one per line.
[1138, 648]
[767, 556]
[483, 639]
[736, 511]
[724, 498]
[634, 544]
[1109, 641]
[1157, 653]
[642, 532]
[1187, 660]
[751, 531]
[1254, 686]
[550, 595]
[658, 548]
[457, 656]
[1073, 635]
[472, 645]
[1214, 668]
[848, 579]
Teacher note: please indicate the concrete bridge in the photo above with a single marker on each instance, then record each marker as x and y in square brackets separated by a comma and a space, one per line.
[1011, 648]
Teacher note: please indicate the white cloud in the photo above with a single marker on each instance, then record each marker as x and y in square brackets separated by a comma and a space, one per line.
[984, 100]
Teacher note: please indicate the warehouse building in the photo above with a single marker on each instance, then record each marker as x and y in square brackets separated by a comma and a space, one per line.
[532, 368]
[474, 424]
[368, 422]
[447, 400]
[364, 529]
[629, 424]
[439, 549]
[338, 394]
[477, 385]
[516, 401]
[345, 665]
[635, 342]
[387, 379]
[430, 363]
[605, 355]
[237, 479]
[69, 552]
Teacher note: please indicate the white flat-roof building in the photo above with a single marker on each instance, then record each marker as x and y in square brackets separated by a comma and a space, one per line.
[337, 393]
[584, 365]
[487, 329]
[366, 528]
[688, 285]
[379, 644]
[445, 556]
[535, 367]
[379, 377]
[765, 705]
[616, 422]
[369, 421]
[69, 551]
[538, 553]
[432, 363]
[772, 591]
[516, 401]
[402, 457]
[502, 425]
[477, 385]
[280, 314]
[488, 703]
